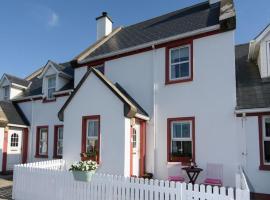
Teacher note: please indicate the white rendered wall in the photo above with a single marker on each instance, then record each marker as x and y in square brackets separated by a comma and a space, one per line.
[94, 98]
[258, 179]
[263, 59]
[2, 132]
[78, 74]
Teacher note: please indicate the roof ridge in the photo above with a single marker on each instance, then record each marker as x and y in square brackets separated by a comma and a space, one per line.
[170, 13]
[14, 76]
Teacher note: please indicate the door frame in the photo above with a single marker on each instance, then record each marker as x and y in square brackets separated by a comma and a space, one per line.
[142, 142]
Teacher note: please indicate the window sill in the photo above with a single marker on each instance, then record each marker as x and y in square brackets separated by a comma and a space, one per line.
[168, 82]
[41, 156]
[264, 168]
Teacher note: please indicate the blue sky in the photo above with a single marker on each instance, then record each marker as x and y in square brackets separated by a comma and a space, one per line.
[33, 31]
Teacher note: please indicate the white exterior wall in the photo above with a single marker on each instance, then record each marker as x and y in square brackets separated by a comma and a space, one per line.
[78, 74]
[214, 76]
[263, 59]
[2, 132]
[95, 98]
[258, 179]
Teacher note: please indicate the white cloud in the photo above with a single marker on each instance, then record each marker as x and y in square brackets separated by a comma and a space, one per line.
[53, 19]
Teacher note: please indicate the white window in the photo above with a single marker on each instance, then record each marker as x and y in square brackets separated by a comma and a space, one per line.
[6, 92]
[180, 63]
[181, 139]
[59, 141]
[51, 86]
[14, 142]
[43, 141]
[92, 136]
[266, 140]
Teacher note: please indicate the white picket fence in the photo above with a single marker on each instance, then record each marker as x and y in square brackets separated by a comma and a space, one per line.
[50, 180]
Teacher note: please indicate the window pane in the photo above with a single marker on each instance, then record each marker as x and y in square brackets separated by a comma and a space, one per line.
[267, 127]
[175, 56]
[60, 133]
[92, 145]
[182, 148]
[175, 71]
[51, 82]
[186, 130]
[50, 92]
[184, 54]
[267, 151]
[184, 69]
[92, 128]
[177, 130]
[59, 148]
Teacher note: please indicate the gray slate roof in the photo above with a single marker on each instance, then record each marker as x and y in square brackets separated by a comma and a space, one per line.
[17, 80]
[13, 113]
[252, 91]
[181, 21]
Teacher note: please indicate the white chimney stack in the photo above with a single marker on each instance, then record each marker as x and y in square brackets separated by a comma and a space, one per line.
[213, 1]
[104, 25]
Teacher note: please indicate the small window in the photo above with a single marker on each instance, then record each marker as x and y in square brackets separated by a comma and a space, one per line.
[42, 141]
[6, 92]
[14, 141]
[58, 143]
[92, 136]
[180, 63]
[266, 140]
[51, 86]
[181, 141]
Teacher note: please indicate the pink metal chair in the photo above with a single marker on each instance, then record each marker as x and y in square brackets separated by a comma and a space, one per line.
[214, 174]
[175, 172]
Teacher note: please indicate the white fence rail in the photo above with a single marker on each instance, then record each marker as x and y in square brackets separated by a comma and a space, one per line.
[55, 183]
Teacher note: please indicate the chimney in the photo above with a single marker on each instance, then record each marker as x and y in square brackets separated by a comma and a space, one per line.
[104, 25]
[213, 1]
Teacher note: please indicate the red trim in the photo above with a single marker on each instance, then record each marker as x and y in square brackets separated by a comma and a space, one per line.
[260, 196]
[62, 95]
[253, 114]
[185, 160]
[103, 60]
[262, 165]
[131, 149]
[37, 142]
[48, 100]
[167, 57]
[56, 127]
[5, 144]
[27, 100]
[84, 130]
[25, 145]
[142, 147]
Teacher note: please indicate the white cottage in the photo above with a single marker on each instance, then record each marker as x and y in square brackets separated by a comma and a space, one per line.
[170, 89]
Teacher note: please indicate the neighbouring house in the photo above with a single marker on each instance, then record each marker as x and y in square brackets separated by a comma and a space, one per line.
[169, 89]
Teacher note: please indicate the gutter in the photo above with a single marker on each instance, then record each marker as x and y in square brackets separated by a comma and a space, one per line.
[16, 125]
[63, 92]
[253, 110]
[150, 44]
[28, 98]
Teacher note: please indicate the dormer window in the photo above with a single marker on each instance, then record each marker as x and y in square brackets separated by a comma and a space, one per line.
[51, 86]
[6, 92]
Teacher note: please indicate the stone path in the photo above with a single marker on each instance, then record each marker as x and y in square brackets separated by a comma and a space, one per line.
[5, 187]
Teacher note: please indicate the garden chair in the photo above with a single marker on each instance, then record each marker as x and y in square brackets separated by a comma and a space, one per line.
[214, 174]
[175, 172]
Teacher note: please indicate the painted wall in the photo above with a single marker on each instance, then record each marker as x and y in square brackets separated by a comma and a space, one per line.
[263, 58]
[44, 114]
[78, 74]
[258, 179]
[94, 98]
[14, 92]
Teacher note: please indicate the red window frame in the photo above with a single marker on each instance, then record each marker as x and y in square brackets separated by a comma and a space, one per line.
[262, 166]
[55, 155]
[184, 160]
[38, 140]
[84, 133]
[167, 57]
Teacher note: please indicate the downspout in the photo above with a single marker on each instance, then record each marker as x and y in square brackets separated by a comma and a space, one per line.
[32, 131]
[154, 108]
[244, 153]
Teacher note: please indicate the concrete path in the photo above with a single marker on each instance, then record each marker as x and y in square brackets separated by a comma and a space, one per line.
[6, 187]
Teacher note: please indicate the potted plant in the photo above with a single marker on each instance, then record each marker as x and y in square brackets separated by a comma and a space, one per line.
[83, 170]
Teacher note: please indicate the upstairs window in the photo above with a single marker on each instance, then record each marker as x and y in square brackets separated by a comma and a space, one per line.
[6, 92]
[179, 64]
[51, 86]
[181, 139]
